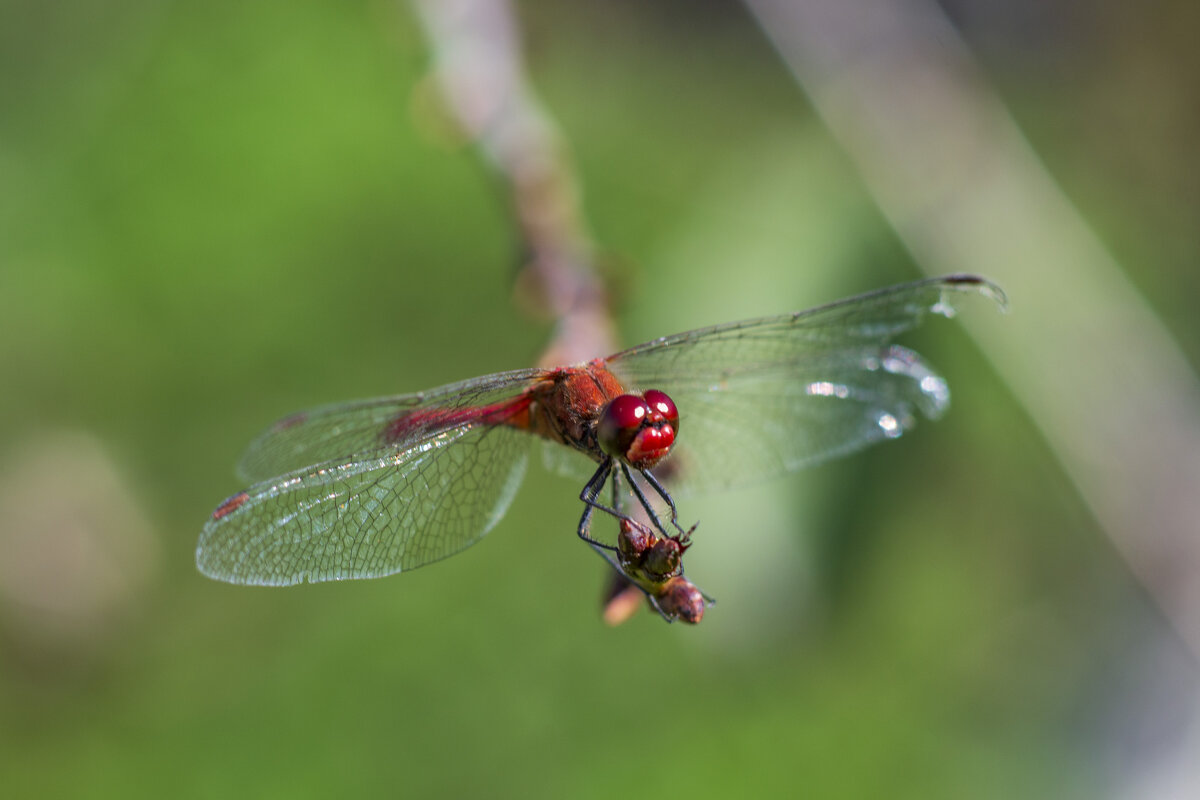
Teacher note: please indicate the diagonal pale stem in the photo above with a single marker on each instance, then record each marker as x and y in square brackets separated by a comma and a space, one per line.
[1110, 390]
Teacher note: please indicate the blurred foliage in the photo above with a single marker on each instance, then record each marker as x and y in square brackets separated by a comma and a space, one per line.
[212, 214]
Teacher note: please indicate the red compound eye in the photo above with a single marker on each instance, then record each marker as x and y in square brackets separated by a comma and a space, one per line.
[619, 423]
[660, 403]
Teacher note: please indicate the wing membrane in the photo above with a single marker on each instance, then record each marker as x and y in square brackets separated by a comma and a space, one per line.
[766, 396]
[339, 432]
[396, 510]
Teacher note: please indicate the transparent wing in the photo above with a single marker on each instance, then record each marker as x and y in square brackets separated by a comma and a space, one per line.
[341, 431]
[396, 510]
[766, 396]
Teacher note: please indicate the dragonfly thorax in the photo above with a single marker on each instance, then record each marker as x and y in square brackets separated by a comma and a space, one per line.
[639, 430]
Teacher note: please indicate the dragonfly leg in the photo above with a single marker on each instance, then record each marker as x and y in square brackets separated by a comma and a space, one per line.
[590, 492]
[618, 497]
[665, 495]
[641, 496]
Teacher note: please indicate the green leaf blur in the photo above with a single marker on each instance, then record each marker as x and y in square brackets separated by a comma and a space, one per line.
[214, 214]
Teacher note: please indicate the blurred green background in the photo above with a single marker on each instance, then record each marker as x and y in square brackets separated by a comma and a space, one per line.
[213, 214]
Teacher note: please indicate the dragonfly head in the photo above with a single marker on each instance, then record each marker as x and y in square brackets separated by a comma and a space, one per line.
[639, 430]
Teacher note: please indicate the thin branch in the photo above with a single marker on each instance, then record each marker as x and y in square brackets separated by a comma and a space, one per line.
[478, 67]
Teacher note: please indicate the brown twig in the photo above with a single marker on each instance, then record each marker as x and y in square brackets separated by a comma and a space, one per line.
[479, 69]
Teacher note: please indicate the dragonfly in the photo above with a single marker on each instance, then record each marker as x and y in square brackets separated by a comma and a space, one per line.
[376, 487]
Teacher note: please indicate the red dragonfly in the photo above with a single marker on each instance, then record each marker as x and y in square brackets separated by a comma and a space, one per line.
[372, 488]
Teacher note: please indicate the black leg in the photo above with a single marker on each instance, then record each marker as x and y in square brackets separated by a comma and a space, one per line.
[641, 496]
[646, 503]
[665, 495]
[591, 491]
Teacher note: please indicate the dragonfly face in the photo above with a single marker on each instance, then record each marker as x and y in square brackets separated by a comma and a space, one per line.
[638, 430]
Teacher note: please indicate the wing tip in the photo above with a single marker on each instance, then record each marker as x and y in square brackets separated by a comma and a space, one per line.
[978, 283]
